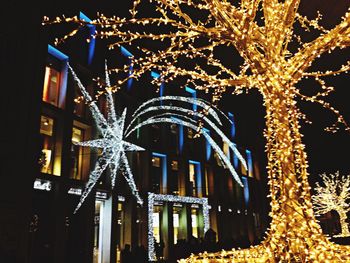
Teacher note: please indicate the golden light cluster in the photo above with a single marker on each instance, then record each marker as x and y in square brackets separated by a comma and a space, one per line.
[262, 31]
[334, 195]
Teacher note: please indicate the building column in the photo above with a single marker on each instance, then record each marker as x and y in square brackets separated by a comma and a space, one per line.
[108, 229]
[167, 231]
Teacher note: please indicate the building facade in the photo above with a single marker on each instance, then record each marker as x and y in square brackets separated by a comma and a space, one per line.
[185, 188]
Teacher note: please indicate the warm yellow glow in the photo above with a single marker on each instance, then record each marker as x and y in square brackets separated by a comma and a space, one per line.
[262, 33]
[333, 196]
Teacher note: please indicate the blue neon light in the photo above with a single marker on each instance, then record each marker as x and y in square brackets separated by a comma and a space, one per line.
[128, 54]
[246, 189]
[198, 176]
[92, 41]
[233, 126]
[193, 94]
[235, 159]
[250, 163]
[64, 72]
[207, 145]
[164, 170]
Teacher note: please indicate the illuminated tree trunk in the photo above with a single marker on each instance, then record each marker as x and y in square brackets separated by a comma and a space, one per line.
[293, 228]
[344, 225]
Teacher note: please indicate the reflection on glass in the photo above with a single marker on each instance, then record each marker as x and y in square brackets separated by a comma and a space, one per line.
[76, 154]
[51, 86]
[48, 144]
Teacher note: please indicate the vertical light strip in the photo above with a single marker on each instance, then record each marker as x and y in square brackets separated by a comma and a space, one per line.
[129, 55]
[231, 117]
[207, 145]
[193, 93]
[92, 40]
[250, 163]
[246, 190]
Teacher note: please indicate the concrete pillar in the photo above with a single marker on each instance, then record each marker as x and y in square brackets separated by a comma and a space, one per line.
[167, 231]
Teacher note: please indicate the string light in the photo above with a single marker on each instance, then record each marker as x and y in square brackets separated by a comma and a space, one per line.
[333, 196]
[112, 144]
[270, 66]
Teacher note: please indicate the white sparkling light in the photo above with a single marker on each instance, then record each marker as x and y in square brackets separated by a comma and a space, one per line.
[112, 144]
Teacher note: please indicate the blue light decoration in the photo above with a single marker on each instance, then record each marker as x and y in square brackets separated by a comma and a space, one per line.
[235, 159]
[129, 55]
[250, 163]
[193, 93]
[92, 41]
[207, 146]
[163, 157]
[64, 72]
[233, 126]
[198, 176]
[245, 190]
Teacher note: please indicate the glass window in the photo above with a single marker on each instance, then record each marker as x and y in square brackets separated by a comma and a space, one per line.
[55, 80]
[52, 86]
[195, 179]
[176, 219]
[156, 174]
[192, 175]
[194, 222]
[174, 178]
[156, 227]
[48, 158]
[226, 149]
[77, 157]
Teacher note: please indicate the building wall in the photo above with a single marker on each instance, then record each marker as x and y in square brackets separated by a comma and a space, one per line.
[61, 236]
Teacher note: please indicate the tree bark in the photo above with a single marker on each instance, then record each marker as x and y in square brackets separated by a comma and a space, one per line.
[344, 225]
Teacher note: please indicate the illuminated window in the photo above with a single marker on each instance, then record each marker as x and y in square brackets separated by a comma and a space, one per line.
[249, 163]
[79, 155]
[194, 222]
[55, 82]
[195, 179]
[176, 219]
[190, 133]
[226, 149]
[174, 165]
[156, 228]
[48, 162]
[155, 161]
[51, 86]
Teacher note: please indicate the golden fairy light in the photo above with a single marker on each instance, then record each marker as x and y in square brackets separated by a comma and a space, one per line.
[333, 196]
[275, 60]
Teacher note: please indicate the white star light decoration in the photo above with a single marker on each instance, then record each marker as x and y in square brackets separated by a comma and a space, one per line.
[114, 146]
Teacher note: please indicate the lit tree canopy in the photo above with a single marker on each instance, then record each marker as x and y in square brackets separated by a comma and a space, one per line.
[333, 196]
[184, 40]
